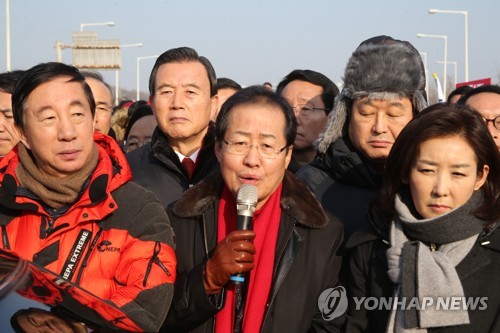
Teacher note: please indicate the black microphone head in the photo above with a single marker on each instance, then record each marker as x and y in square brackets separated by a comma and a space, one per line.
[247, 195]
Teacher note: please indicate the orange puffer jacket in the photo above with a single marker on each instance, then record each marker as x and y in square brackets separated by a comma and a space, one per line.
[115, 240]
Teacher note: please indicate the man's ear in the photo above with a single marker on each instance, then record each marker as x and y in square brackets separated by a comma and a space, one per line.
[288, 157]
[22, 136]
[152, 104]
[217, 149]
[214, 107]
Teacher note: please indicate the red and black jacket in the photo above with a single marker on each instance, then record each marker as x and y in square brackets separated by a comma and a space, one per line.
[114, 241]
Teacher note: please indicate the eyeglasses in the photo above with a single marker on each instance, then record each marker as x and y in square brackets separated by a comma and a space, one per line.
[133, 144]
[242, 148]
[495, 121]
[306, 109]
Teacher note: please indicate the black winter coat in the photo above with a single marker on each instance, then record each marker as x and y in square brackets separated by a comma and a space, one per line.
[344, 183]
[479, 273]
[306, 261]
[157, 167]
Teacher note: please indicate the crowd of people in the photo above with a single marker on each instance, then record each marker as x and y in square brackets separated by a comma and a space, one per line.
[366, 192]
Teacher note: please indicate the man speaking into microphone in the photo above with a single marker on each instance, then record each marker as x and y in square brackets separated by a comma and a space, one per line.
[288, 258]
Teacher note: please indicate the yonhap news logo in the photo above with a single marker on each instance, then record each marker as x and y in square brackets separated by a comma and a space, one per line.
[332, 303]
[450, 303]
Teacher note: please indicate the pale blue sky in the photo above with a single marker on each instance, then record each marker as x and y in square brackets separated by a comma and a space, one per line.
[255, 41]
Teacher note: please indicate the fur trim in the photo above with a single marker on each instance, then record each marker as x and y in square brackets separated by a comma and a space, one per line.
[335, 124]
[198, 198]
[301, 203]
[381, 71]
[296, 199]
[386, 67]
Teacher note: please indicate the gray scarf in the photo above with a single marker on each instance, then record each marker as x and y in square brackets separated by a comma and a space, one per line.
[422, 261]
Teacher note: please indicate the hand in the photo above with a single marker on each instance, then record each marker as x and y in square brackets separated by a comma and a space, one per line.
[232, 255]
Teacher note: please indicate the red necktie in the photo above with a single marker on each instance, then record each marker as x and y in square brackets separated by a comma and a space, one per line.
[188, 165]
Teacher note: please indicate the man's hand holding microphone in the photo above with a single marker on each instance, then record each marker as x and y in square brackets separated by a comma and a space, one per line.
[235, 253]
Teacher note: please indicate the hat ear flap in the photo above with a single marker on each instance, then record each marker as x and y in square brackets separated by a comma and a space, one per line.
[419, 102]
[335, 125]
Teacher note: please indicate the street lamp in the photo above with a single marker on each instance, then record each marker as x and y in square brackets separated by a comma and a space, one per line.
[138, 79]
[117, 83]
[424, 54]
[466, 14]
[454, 63]
[7, 32]
[445, 54]
[109, 24]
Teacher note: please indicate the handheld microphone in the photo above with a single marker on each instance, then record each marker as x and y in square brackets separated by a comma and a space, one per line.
[246, 201]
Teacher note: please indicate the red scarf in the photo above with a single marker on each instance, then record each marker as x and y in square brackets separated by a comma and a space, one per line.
[266, 223]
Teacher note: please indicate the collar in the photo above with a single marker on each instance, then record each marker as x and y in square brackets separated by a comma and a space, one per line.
[162, 150]
[296, 199]
[347, 166]
[193, 156]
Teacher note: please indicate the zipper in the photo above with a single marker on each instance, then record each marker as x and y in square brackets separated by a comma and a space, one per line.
[155, 260]
[47, 227]
[43, 227]
[5, 238]
[87, 255]
[205, 241]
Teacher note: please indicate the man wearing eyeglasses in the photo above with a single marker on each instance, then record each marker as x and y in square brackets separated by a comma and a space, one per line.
[486, 100]
[290, 256]
[103, 96]
[311, 94]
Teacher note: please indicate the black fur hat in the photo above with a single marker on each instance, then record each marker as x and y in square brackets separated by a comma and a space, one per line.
[380, 68]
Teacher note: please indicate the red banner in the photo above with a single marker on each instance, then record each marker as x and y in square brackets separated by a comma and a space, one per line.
[475, 84]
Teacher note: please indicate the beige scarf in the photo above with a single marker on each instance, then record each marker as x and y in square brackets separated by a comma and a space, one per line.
[53, 191]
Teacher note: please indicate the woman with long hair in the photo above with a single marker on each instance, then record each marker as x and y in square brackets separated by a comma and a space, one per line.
[433, 259]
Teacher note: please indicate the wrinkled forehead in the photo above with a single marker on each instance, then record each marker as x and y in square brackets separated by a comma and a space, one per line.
[54, 86]
[273, 122]
[379, 95]
[485, 103]
[387, 100]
